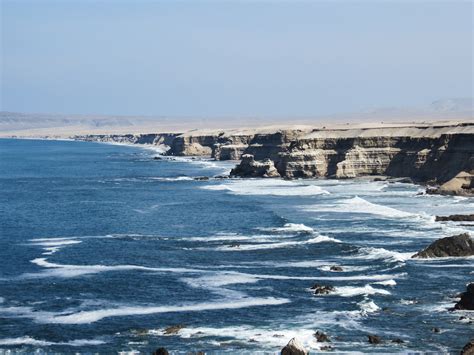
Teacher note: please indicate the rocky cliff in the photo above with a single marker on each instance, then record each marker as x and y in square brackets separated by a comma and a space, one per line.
[436, 153]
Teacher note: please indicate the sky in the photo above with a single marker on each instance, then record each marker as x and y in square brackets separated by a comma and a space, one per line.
[232, 58]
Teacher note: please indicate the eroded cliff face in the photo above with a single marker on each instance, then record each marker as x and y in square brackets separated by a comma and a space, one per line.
[421, 158]
[434, 155]
[150, 138]
[425, 153]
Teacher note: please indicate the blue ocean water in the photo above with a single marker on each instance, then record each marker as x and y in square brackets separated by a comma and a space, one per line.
[103, 247]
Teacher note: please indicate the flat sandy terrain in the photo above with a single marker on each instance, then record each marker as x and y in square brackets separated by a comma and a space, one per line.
[64, 126]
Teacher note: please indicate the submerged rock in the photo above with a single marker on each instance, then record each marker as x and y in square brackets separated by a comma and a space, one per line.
[456, 218]
[294, 347]
[174, 329]
[374, 339]
[201, 178]
[322, 289]
[467, 299]
[161, 351]
[458, 245]
[321, 337]
[336, 268]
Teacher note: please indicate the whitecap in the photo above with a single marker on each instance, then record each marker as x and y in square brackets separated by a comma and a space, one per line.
[177, 178]
[358, 205]
[86, 317]
[53, 245]
[67, 271]
[266, 337]
[390, 282]
[368, 306]
[370, 253]
[289, 227]
[26, 340]
[272, 187]
[285, 244]
[351, 291]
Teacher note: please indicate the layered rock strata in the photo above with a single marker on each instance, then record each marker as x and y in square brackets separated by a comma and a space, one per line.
[440, 154]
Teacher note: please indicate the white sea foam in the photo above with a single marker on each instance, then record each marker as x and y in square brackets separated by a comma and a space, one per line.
[66, 271]
[225, 278]
[26, 340]
[273, 187]
[56, 243]
[264, 336]
[289, 227]
[53, 245]
[358, 205]
[390, 282]
[351, 291]
[370, 253]
[368, 306]
[85, 317]
[345, 268]
[177, 178]
[285, 244]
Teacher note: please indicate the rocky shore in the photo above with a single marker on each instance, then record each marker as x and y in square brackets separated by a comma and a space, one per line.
[438, 154]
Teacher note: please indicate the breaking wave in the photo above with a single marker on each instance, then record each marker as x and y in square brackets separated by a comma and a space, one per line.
[272, 187]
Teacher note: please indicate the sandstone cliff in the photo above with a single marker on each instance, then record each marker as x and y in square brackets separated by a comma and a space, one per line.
[433, 153]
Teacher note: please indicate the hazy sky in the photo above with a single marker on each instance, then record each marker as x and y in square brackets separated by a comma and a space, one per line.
[232, 57]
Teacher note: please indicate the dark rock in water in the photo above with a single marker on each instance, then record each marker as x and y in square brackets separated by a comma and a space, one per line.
[436, 330]
[294, 347]
[157, 158]
[234, 245]
[458, 245]
[322, 289]
[374, 339]
[336, 268]
[249, 167]
[456, 218]
[174, 329]
[404, 180]
[467, 299]
[326, 348]
[322, 337]
[201, 178]
[161, 351]
[468, 349]
[398, 341]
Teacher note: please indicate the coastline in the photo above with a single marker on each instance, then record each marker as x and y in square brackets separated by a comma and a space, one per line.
[439, 155]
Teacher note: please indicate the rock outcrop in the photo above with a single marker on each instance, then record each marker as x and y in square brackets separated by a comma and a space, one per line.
[438, 154]
[467, 299]
[294, 347]
[456, 246]
[248, 167]
[456, 218]
[374, 339]
[161, 351]
[462, 184]
[322, 289]
[434, 155]
[468, 349]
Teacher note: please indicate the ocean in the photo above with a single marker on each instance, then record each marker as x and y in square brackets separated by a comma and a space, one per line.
[103, 248]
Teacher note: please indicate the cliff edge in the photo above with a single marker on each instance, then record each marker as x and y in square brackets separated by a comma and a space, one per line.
[435, 153]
